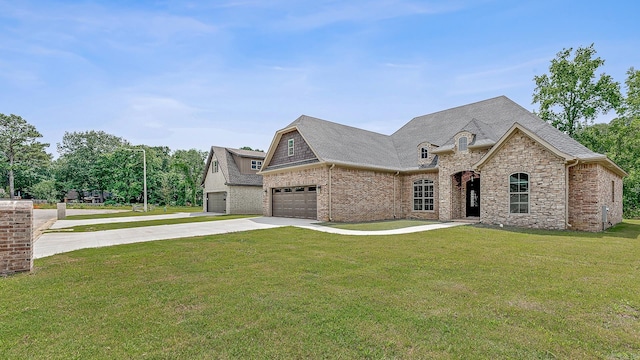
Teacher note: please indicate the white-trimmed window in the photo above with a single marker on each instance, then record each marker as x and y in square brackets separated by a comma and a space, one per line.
[214, 166]
[423, 195]
[290, 146]
[256, 164]
[519, 193]
[424, 152]
[462, 143]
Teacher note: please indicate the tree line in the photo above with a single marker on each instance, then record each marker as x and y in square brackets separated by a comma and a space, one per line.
[95, 162]
[571, 96]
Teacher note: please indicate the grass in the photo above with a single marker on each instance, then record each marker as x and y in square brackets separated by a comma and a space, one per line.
[156, 211]
[378, 225]
[460, 293]
[136, 224]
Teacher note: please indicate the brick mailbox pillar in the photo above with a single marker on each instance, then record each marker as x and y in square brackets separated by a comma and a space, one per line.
[16, 236]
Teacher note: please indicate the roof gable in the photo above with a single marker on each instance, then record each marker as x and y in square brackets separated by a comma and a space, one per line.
[229, 168]
[517, 127]
[336, 143]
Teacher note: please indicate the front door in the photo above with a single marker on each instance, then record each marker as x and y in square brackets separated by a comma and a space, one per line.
[473, 198]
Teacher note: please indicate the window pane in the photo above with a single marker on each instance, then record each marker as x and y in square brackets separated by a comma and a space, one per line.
[514, 208]
[524, 198]
[513, 188]
[462, 143]
[513, 179]
[524, 177]
[524, 187]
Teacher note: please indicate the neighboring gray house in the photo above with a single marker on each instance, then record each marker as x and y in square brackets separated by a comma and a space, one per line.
[491, 161]
[230, 181]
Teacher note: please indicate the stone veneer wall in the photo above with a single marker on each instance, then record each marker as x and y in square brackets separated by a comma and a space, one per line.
[589, 190]
[406, 197]
[450, 164]
[310, 176]
[16, 236]
[520, 153]
[244, 200]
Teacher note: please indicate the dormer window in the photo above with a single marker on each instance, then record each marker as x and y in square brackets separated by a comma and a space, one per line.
[462, 143]
[290, 147]
[256, 164]
[424, 152]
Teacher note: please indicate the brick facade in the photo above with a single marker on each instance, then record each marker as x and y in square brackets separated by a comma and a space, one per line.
[592, 186]
[304, 177]
[521, 154]
[356, 195]
[364, 195]
[556, 199]
[244, 200]
[16, 236]
[406, 196]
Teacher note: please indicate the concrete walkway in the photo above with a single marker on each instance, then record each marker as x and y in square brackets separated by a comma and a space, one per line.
[61, 224]
[54, 243]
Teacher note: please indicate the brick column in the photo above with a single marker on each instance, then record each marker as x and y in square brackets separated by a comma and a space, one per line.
[16, 236]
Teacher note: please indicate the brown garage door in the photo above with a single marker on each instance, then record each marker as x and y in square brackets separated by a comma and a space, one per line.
[297, 201]
[217, 202]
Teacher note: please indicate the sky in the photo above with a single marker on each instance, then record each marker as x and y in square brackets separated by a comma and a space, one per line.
[192, 74]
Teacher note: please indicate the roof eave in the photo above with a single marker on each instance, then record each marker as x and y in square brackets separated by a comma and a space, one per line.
[606, 162]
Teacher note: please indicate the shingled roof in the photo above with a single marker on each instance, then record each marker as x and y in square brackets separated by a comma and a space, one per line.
[333, 142]
[488, 120]
[493, 117]
[229, 169]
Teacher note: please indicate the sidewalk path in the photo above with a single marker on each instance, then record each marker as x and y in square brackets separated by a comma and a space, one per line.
[60, 242]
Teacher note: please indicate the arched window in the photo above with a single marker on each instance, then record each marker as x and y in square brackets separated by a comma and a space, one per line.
[519, 193]
[462, 144]
[423, 195]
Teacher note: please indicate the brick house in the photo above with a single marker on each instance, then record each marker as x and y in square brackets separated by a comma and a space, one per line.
[231, 183]
[491, 161]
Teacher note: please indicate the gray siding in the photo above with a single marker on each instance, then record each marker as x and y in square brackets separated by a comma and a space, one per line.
[302, 152]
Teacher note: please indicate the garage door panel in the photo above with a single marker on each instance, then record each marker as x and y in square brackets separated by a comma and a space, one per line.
[217, 202]
[298, 202]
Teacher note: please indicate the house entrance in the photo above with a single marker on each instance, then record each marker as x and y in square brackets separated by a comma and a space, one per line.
[465, 195]
[473, 197]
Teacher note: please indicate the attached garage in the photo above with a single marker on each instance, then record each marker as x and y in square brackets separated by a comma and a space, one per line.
[217, 202]
[297, 202]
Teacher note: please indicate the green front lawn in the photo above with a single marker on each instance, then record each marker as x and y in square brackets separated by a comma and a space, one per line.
[465, 292]
[379, 225]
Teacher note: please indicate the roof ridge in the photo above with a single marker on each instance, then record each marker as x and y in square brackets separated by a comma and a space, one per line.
[301, 117]
[453, 108]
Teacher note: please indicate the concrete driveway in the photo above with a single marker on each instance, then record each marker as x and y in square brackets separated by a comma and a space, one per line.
[59, 242]
[43, 216]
